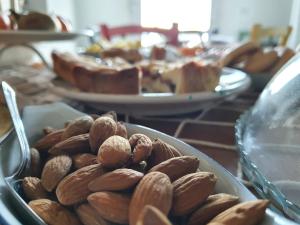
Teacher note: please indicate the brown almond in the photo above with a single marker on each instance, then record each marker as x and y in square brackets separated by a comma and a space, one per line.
[35, 162]
[72, 145]
[74, 187]
[152, 216]
[89, 216]
[121, 130]
[80, 125]
[55, 170]
[191, 190]
[114, 152]
[161, 151]
[154, 189]
[245, 213]
[53, 213]
[102, 128]
[177, 167]
[111, 206]
[83, 159]
[141, 146]
[214, 205]
[117, 180]
[33, 188]
[48, 141]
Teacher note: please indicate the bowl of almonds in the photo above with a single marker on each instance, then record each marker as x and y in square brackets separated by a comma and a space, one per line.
[97, 170]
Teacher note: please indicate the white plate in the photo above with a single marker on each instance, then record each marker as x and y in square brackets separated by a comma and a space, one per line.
[37, 117]
[24, 36]
[232, 82]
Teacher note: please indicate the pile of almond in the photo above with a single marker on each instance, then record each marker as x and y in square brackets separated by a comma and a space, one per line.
[92, 173]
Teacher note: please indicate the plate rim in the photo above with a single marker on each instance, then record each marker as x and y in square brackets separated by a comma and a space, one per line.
[152, 98]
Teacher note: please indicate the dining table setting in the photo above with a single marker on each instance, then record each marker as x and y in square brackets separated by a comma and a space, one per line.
[122, 133]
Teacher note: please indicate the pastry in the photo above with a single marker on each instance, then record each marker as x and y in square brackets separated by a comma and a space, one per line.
[90, 76]
[193, 77]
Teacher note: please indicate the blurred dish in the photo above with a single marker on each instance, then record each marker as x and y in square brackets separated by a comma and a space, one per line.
[23, 36]
[4, 121]
[231, 83]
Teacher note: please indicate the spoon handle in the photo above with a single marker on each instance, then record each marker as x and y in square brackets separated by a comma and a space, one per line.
[10, 97]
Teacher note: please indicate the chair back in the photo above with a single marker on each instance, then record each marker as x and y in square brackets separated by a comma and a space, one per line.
[170, 34]
[282, 33]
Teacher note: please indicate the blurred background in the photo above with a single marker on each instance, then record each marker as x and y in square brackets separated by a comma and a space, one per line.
[229, 20]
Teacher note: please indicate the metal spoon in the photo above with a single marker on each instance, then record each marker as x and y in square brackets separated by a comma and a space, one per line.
[14, 180]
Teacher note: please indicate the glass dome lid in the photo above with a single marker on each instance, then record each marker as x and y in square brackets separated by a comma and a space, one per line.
[268, 138]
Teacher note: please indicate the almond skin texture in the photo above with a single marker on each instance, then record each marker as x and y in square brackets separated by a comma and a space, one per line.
[89, 216]
[53, 213]
[35, 162]
[114, 152]
[117, 180]
[152, 216]
[72, 145]
[84, 159]
[154, 189]
[245, 213]
[214, 205]
[74, 187]
[161, 151]
[102, 128]
[111, 206]
[177, 167]
[191, 190]
[141, 147]
[33, 188]
[121, 130]
[55, 170]
[48, 141]
[48, 130]
[80, 125]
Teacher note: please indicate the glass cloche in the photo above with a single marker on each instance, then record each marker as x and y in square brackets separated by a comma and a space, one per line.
[268, 137]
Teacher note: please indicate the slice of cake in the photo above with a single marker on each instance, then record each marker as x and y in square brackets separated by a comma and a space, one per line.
[90, 76]
[193, 77]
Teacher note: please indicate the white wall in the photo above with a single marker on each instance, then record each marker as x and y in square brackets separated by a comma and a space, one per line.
[232, 16]
[111, 12]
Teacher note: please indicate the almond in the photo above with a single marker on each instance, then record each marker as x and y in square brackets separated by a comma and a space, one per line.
[152, 216]
[74, 187]
[35, 162]
[48, 141]
[114, 152]
[121, 130]
[80, 125]
[33, 188]
[72, 145]
[55, 170]
[161, 151]
[89, 216]
[111, 206]
[154, 189]
[84, 159]
[102, 128]
[141, 147]
[214, 205]
[53, 213]
[191, 190]
[177, 167]
[117, 180]
[246, 213]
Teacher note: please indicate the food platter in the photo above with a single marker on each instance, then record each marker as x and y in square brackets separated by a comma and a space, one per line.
[24, 36]
[37, 117]
[232, 82]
